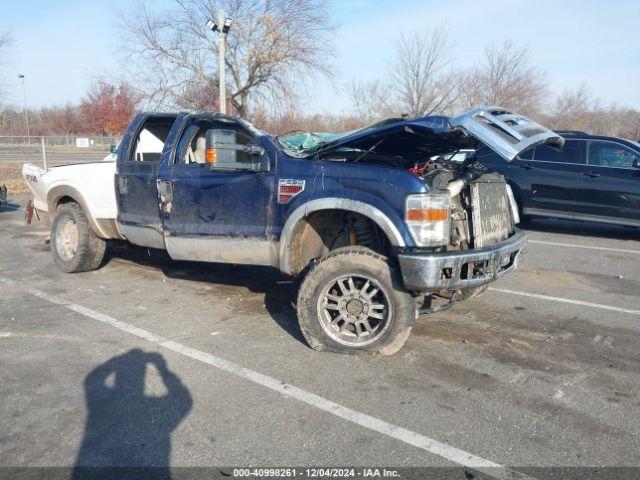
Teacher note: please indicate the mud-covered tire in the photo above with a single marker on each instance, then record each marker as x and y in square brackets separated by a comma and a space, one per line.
[467, 293]
[89, 248]
[361, 264]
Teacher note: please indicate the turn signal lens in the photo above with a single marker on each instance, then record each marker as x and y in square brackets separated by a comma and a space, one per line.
[211, 155]
[427, 215]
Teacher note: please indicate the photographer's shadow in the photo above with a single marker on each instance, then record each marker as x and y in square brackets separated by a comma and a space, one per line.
[125, 427]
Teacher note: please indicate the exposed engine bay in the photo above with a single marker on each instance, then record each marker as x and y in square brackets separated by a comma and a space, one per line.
[457, 178]
[481, 212]
[477, 207]
[468, 184]
[471, 189]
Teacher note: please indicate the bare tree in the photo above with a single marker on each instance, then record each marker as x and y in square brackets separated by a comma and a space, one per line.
[6, 41]
[577, 109]
[421, 78]
[573, 109]
[371, 99]
[272, 46]
[507, 79]
[59, 120]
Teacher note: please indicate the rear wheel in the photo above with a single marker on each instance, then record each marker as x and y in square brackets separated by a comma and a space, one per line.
[353, 301]
[74, 246]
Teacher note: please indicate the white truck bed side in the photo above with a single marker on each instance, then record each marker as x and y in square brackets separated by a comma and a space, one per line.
[89, 184]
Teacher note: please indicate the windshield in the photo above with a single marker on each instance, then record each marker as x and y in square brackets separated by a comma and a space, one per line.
[300, 142]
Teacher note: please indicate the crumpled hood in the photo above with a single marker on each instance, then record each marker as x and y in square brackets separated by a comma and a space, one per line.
[395, 137]
[505, 132]
[410, 140]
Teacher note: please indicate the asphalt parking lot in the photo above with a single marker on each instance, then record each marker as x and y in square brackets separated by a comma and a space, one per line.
[152, 362]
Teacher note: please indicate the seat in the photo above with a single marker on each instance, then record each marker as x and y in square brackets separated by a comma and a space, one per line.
[200, 152]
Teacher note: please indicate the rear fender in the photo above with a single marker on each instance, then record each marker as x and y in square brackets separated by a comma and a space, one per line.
[103, 228]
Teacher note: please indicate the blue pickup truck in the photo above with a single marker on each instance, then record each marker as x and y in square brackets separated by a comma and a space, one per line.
[372, 221]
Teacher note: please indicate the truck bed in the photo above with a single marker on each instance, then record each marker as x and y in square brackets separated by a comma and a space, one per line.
[92, 182]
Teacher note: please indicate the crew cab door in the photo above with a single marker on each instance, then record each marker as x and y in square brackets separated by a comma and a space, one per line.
[217, 216]
[609, 184]
[139, 156]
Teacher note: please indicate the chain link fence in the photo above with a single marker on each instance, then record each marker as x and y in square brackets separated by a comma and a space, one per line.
[47, 152]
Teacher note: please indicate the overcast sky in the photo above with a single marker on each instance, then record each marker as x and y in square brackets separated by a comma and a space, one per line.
[62, 45]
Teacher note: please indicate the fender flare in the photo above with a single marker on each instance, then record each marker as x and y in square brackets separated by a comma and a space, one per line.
[56, 193]
[335, 203]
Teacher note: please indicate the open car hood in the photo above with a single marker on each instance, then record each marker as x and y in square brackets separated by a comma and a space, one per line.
[505, 132]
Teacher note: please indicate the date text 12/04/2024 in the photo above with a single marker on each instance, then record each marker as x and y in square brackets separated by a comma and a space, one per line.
[314, 473]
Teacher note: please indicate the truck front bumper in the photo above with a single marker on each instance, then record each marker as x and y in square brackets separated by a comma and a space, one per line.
[432, 272]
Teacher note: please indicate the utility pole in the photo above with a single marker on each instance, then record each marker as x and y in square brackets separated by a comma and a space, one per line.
[222, 67]
[24, 99]
[222, 27]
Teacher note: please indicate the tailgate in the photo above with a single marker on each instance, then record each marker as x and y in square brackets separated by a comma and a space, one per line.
[33, 176]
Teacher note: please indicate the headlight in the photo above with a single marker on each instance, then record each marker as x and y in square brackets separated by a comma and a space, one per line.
[427, 216]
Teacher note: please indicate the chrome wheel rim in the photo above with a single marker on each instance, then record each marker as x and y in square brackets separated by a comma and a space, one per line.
[354, 310]
[67, 239]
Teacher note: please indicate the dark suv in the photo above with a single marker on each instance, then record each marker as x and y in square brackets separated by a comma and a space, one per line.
[592, 178]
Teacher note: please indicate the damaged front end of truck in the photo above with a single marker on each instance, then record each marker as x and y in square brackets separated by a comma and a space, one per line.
[463, 223]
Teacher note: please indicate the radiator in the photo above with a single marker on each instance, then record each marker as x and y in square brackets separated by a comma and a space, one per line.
[492, 221]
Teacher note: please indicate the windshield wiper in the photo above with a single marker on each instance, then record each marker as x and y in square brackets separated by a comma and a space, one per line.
[373, 147]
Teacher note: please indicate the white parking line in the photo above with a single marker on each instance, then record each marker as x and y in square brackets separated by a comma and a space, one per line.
[409, 437]
[566, 300]
[589, 247]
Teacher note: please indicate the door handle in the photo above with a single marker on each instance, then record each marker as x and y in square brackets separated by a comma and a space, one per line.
[591, 174]
[527, 166]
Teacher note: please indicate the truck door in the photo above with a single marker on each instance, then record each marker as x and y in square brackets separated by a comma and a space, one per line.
[137, 195]
[218, 216]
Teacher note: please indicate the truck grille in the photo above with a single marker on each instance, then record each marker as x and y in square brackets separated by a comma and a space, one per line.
[491, 213]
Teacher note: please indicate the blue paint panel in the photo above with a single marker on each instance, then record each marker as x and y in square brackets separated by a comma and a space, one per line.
[216, 204]
[138, 205]
[219, 204]
[243, 204]
[381, 187]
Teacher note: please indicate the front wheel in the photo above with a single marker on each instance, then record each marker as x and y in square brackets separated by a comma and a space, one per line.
[353, 301]
[74, 246]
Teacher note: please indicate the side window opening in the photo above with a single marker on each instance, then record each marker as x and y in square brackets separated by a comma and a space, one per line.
[570, 153]
[527, 154]
[610, 154]
[150, 141]
[191, 147]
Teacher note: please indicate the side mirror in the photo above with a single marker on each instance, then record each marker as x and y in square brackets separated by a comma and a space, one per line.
[636, 163]
[224, 154]
[114, 148]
